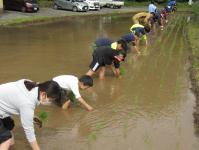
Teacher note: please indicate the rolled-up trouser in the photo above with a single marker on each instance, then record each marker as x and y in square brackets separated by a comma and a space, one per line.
[95, 64]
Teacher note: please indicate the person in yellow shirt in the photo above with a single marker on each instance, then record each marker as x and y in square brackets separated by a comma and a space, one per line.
[140, 32]
[143, 18]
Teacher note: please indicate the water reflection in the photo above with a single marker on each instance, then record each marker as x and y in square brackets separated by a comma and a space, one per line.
[150, 104]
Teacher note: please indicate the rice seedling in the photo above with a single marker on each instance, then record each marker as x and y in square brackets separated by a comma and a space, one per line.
[197, 76]
[177, 86]
[122, 71]
[38, 120]
[125, 127]
[92, 136]
[177, 146]
[43, 116]
[71, 96]
[100, 126]
[148, 143]
[195, 64]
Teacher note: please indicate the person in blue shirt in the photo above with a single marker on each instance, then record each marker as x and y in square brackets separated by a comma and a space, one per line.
[102, 42]
[152, 8]
[130, 38]
[156, 14]
[171, 6]
[118, 45]
[140, 32]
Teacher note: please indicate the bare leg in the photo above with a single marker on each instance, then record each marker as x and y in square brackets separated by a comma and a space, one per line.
[90, 72]
[161, 22]
[6, 145]
[12, 139]
[102, 72]
[137, 42]
[136, 49]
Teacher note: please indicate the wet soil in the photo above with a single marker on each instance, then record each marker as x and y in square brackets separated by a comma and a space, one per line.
[150, 107]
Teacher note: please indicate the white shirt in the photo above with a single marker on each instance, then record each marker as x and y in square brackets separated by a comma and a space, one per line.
[152, 8]
[70, 83]
[15, 99]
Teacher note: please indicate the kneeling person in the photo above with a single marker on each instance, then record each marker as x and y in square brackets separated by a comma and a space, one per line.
[70, 83]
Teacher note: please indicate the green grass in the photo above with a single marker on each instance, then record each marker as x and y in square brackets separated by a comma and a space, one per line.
[45, 3]
[122, 71]
[135, 4]
[92, 136]
[181, 6]
[185, 7]
[193, 31]
[195, 8]
[27, 20]
[148, 142]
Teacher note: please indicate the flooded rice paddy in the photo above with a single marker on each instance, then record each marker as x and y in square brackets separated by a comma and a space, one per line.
[149, 108]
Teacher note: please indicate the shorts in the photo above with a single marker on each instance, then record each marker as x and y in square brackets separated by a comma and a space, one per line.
[5, 134]
[95, 65]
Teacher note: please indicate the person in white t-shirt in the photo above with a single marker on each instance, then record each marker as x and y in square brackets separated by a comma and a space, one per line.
[70, 83]
[21, 98]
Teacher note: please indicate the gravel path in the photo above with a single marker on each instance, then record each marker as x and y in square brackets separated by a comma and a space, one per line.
[49, 12]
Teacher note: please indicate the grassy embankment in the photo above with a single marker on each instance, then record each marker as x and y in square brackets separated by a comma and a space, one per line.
[26, 20]
[193, 30]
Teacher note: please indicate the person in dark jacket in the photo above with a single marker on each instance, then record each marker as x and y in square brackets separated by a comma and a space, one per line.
[120, 44]
[104, 56]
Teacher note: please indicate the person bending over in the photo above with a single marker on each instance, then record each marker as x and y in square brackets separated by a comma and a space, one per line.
[118, 45]
[104, 56]
[130, 38]
[70, 83]
[20, 98]
[140, 32]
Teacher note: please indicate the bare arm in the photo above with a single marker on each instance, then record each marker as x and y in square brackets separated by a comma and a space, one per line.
[34, 145]
[137, 41]
[66, 105]
[86, 105]
[146, 41]
[136, 49]
[117, 72]
[145, 38]
[26, 116]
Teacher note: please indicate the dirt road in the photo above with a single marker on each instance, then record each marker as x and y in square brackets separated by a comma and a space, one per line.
[8, 16]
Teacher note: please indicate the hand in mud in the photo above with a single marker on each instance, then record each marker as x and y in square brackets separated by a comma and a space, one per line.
[138, 52]
[119, 77]
[37, 121]
[90, 108]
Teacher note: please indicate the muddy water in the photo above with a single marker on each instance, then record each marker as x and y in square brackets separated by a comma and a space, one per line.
[149, 108]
